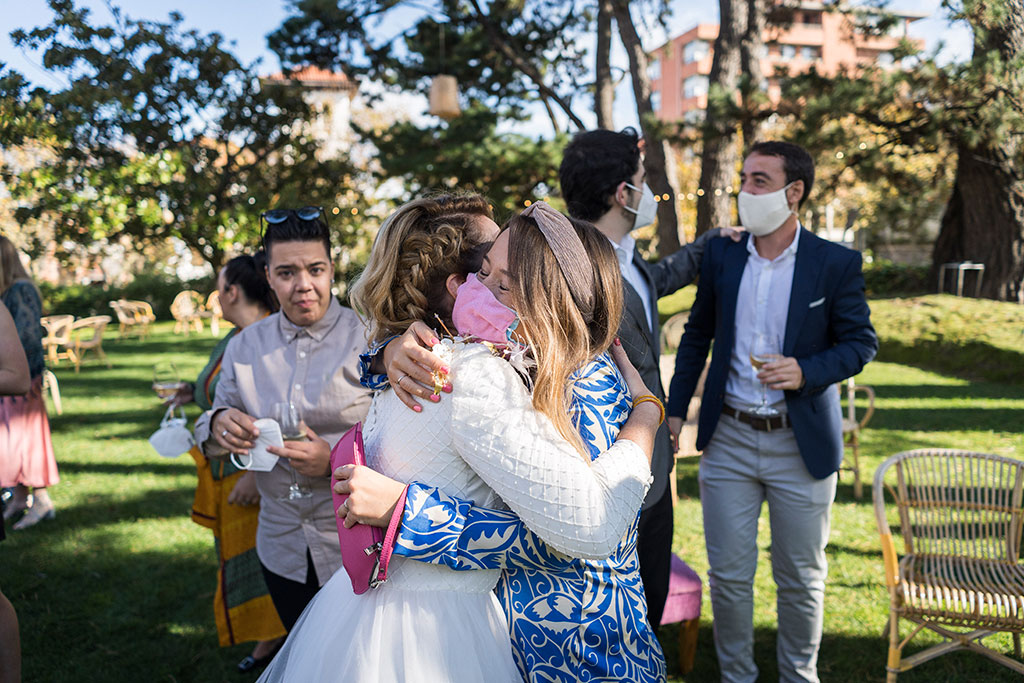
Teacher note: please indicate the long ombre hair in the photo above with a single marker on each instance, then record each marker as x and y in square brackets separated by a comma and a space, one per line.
[417, 248]
[11, 267]
[561, 339]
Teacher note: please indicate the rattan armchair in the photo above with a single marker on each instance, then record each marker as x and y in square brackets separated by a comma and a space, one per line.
[960, 515]
[187, 311]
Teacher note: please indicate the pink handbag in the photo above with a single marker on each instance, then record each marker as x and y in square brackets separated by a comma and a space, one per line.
[365, 550]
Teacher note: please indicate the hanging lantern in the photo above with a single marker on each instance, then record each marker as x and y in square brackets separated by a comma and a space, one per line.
[444, 97]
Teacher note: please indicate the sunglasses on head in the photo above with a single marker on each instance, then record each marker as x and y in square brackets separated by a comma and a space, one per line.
[277, 216]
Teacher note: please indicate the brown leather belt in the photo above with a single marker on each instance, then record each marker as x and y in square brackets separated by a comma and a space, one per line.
[761, 424]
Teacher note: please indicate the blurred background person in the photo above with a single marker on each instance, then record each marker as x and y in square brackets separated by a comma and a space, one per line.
[26, 451]
[226, 500]
[14, 380]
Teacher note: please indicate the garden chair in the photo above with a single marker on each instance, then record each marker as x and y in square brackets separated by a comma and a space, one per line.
[186, 309]
[960, 515]
[143, 315]
[57, 342]
[852, 427]
[672, 330]
[50, 384]
[88, 335]
[683, 606]
[212, 310]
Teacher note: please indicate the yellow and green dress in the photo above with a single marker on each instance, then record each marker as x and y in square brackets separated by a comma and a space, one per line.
[241, 606]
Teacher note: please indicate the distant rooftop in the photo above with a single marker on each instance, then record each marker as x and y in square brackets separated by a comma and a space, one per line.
[313, 77]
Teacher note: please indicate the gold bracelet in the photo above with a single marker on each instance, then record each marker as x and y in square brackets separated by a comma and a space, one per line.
[651, 398]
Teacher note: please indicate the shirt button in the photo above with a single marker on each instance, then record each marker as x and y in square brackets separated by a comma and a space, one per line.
[298, 387]
[302, 354]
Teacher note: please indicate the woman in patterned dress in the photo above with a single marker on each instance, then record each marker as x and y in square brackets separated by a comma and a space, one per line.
[570, 618]
[27, 462]
[486, 443]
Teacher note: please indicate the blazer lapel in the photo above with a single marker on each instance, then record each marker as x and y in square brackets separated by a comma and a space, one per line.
[805, 278]
[633, 307]
[652, 313]
[733, 263]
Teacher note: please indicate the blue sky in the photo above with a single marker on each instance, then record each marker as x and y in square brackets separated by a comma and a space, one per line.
[247, 22]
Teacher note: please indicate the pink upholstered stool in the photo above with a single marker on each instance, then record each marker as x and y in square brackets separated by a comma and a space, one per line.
[683, 605]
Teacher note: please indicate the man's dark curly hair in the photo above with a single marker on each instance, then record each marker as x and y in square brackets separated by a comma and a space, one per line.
[594, 164]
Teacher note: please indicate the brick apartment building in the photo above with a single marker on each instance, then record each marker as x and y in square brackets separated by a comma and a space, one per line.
[827, 39]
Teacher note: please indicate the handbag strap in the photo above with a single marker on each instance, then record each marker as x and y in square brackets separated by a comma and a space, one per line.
[389, 537]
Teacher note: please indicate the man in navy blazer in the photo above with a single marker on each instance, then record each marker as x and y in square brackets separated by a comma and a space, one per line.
[794, 302]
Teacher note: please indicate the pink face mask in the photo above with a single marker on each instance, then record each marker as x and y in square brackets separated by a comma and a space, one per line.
[478, 314]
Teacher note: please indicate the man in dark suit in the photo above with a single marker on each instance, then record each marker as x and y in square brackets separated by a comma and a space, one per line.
[795, 303]
[602, 180]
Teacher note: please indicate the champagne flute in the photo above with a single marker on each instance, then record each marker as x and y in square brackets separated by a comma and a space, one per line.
[166, 380]
[288, 417]
[766, 348]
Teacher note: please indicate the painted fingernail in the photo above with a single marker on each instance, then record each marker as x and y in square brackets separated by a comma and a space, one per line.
[617, 342]
[446, 370]
[418, 409]
[435, 398]
[434, 340]
[447, 388]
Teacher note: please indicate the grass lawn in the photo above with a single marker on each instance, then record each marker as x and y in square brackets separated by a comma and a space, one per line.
[119, 586]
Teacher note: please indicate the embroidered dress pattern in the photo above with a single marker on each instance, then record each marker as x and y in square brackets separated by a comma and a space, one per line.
[570, 619]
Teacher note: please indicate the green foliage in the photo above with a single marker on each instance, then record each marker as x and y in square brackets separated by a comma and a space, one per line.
[159, 132]
[156, 289]
[469, 154]
[885, 279]
[505, 56]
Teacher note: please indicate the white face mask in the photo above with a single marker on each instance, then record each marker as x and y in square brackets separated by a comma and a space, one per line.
[763, 214]
[647, 210]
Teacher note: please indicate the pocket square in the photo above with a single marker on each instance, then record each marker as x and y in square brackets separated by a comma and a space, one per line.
[817, 303]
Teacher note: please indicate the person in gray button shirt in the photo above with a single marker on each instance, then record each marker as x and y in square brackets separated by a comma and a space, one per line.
[307, 354]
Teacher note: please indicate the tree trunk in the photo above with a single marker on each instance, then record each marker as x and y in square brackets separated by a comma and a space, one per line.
[659, 160]
[719, 155]
[604, 89]
[984, 223]
[984, 218]
[752, 79]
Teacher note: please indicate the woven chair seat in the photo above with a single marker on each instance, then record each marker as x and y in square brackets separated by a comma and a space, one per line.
[961, 591]
[960, 518]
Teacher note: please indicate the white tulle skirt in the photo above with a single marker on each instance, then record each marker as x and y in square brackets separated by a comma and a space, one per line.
[393, 635]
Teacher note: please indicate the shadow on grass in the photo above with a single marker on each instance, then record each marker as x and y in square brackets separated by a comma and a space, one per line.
[178, 467]
[946, 392]
[842, 659]
[119, 615]
[970, 360]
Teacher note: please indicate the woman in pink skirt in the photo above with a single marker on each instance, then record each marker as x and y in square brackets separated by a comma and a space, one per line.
[26, 452]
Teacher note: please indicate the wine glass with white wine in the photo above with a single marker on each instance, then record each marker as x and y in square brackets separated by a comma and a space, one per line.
[293, 428]
[766, 348]
[166, 379]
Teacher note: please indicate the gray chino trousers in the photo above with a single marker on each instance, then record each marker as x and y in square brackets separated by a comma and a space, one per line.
[741, 468]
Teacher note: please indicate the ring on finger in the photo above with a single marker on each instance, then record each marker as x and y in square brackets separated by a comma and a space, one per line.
[224, 434]
[399, 382]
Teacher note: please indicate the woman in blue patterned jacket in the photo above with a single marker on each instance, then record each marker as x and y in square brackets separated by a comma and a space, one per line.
[571, 618]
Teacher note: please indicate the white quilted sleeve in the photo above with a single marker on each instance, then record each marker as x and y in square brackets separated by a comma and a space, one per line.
[580, 509]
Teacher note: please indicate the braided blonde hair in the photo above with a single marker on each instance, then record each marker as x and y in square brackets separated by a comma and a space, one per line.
[417, 248]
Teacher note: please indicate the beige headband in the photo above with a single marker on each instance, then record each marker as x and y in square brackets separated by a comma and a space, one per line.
[573, 259]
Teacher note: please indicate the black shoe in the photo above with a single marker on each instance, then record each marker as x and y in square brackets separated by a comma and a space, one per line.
[250, 663]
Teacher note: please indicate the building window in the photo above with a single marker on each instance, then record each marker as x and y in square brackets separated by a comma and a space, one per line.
[810, 53]
[695, 50]
[810, 18]
[654, 70]
[787, 52]
[656, 100]
[695, 86]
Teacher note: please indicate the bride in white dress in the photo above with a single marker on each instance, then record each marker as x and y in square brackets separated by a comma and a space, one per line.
[486, 444]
